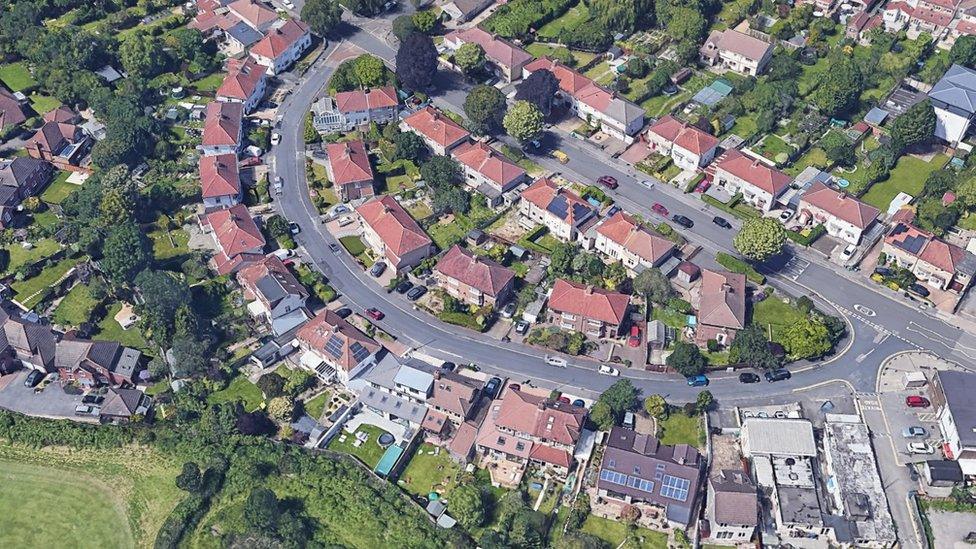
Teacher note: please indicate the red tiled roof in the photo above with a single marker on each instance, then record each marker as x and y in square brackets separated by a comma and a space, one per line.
[437, 127]
[60, 114]
[755, 172]
[53, 136]
[219, 176]
[253, 13]
[362, 100]
[243, 77]
[543, 191]
[925, 246]
[965, 26]
[840, 205]
[348, 162]
[928, 15]
[681, 134]
[574, 83]
[434, 421]
[235, 230]
[588, 302]
[488, 162]
[743, 44]
[278, 40]
[463, 439]
[453, 392]
[317, 332]
[399, 232]
[222, 125]
[639, 240]
[723, 299]
[482, 274]
[548, 454]
[942, 254]
[541, 417]
[499, 51]
[11, 112]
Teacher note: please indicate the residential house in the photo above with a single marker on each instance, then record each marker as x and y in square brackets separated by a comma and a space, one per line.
[239, 36]
[474, 280]
[931, 17]
[12, 112]
[29, 343]
[121, 405]
[722, 309]
[390, 231]
[733, 507]
[94, 363]
[282, 46]
[246, 82]
[334, 349]
[689, 147]
[895, 16]
[622, 238]
[20, 178]
[220, 181]
[397, 392]
[954, 402]
[860, 25]
[454, 395]
[527, 428]
[59, 143]
[274, 294]
[223, 128]
[349, 170]
[563, 212]
[351, 109]
[842, 215]
[257, 15]
[507, 58]
[488, 171]
[589, 101]
[736, 51]
[639, 469]
[592, 311]
[932, 260]
[954, 99]
[437, 130]
[462, 11]
[237, 237]
[62, 115]
[759, 184]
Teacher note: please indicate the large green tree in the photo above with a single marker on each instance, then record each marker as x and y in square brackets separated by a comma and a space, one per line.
[409, 146]
[125, 253]
[916, 126]
[370, 71]
[485, 108]
[620, 397]
[760, 238]
[524, 121]
[751, 347]
[963, 51]
[654, 286]
[322, 16]
[686, 359]
[539, 89]
[656, 406]
[416, 62]
[467, 505]
[470, 57]
[840, 87]
[808, 338]
[441, 172]
[142, 55]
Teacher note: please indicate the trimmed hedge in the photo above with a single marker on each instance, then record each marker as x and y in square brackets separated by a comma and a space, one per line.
[736, 265]
[809, 239]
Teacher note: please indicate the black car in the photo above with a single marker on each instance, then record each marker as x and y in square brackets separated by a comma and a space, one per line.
[492, 387]
[403, 287]
[883, 271]
[779, 374]
[683, 221]
[33, 379]
[721, 222]
[344, 312]
[919, 289]
[416, 293]
[92, 399]
[749, 377]
[449, 366]
[377, 269]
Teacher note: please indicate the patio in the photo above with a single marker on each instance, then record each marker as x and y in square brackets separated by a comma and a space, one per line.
[504, 473]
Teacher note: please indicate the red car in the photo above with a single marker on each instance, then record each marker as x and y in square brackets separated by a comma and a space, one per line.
[564, 399]
[659, 209]
[915, 401]
[374, 313]
[515, 386]
[608, 181]
[635, 337]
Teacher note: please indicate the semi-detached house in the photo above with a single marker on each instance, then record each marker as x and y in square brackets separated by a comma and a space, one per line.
[932, 260]
[393, 235]
[689, 147]
[954, 100]
[842, 215]
[507, 58]
[722, 309]
[736, 51]
[759, 184]
[349, 110]
[592, 311]
[223, 128]
[20, 179]
[622, 238]
[488, 171]
[245, 83]
[437, 130]
[334, 349]
[282, 46]
[563, 212]
[257, 15]
[350, 170]
[237, 238]
[220, 181]
[472, 279]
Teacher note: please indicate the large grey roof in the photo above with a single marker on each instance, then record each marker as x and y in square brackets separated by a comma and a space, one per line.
[392, 404]
[414, 378]
[960, 395]
[956, 90]
[624, 111]
[780, 437]
[736, 499]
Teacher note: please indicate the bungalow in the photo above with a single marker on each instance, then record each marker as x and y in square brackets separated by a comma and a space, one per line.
[223, 128]
[722, 309]
[488, 171]
[59, 143]
[122, 404]
[237, 237]
[507, 58]
[12, 112]
[454, 395]
[334, 349]
[934, 261]
[439, 132]
[736, 51]
[563, 212]
[282, 46]
[95, 363]
[349, 170]
[28, 343]
[462, 11]
[472, 279]
[592, 311]
[20, 178]
[844, 216]
[274, 294]
[257, 15]
[689, 147]
[246, 82]
[220, 181]
[393, 234]
[622, 238]
[759, 184]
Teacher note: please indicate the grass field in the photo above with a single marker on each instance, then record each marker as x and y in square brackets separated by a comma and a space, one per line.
[615, 532]
[813, 157]
[32, 291]
[209, 83]
[59, 189]
[316, 406]
[908, 176]
[76, 307]
[539, 49]
[20, 255]
[116, 498]
[773, 313]
[163, 247]
[569, 22]
[16, 76]
[369, 452]
[43, 103]
[240, 388]
[680, 429]
[109, 330]
[426, 473]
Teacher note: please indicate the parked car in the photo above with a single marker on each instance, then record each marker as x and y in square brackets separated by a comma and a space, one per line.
[919, 289]
[449, 366]
[344, 312]
[635, 337]
[403, 287]
[294, 228]
[375, 313]
[915, 401]
[659, 209]
[334, 248]
[683, 221]
[560, 156]
[721, 222]
[521, 327]
[914, 432]
[848, 251]
[508, 311]
[579, 403]
[84, 410]
[515, 386]
[608, 371]
[786, 214]
[377, 269]
[697, 381]
[94, 400]
[416, 293]
[883, 271]
[563, 399]
[703, 186]
[283, 253]
[33, 378]
[556, 361]
[779, 374]
[492, 387]
[275, 136]
[749, 377]
[920, 448]
[608, 181]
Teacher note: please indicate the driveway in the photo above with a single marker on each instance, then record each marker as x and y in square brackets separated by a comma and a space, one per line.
[52, 402]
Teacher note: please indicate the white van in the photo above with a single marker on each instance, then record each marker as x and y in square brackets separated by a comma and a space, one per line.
[556, 361]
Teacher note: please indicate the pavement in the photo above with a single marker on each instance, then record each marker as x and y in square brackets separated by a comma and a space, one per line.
[51, 403]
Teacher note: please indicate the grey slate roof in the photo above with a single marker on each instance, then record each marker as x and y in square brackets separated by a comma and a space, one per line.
[414, 378]
[16, 172]
[244, 34]
[736, 500]
[392, 404]
[956, 91]
[960, 395]
[624, 111]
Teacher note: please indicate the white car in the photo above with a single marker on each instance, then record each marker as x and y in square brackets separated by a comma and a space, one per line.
[609, 370]
[849, 251]
[283, 253]
[920, 448]
[786, 214]
[275, 138]
[556, 361]
[288, 4]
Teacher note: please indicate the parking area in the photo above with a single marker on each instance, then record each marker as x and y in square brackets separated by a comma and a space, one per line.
[52, 402]
[951, 528]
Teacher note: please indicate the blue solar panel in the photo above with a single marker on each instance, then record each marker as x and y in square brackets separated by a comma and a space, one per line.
[627, 480]
[675, 488]
[558, 207]
[334, 346]
[359, 353]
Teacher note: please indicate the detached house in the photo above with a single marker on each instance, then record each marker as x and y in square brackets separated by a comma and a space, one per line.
[245, 83]
[95, 363]
[282, 46]
[223, 128]
[220, 181]
[592, 311]
[350, 170]
[736, 51]
[759, 184]
[335, 349]
[11, 111]
[843, 216]
[59, 143]
[563, 212]
[954, 99]
[257, 15]
[621, 238]
[722, 310]
[507, 58]
[393, 234]
[465, 10]
[931, 259]
[28, 343]
[237, 237]
[20, 178]
[689, 147]
[474, 280]
[439, 132]
[274, 294]
[488, 171]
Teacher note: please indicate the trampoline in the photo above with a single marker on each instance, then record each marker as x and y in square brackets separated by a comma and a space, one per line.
[385, 440]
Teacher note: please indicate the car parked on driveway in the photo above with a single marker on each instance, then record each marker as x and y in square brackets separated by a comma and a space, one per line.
[915, 401]
[749, 377]
[697, 381]
[84, 410]
[919, 289]
[416, 293]
[659, 209]
[377, 269]
[508, 311]
[403, 287]
[344, 312]
[786, 214]
[635, 336]
[521, 327]
[914, 432]
[33, 379]
[94, 400]
[492, 387]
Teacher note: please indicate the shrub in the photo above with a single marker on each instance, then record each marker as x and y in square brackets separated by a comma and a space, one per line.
[736, 265]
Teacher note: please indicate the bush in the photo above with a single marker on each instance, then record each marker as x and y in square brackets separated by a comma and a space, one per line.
[694, 181]
[808, 239]
[680, 305]
[736, 265]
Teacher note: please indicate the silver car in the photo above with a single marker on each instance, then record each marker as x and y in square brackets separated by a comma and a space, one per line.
[914, 432]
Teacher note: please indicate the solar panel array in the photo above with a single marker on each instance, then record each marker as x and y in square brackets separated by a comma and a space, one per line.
[675, 488]
[359, 353]
[334, 346]
[626, 480]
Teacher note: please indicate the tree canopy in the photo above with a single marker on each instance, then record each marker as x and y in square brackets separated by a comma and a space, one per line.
[539, 89]
[416, 62]
[485, 108]
[808, 338]
[470, 57]
[840, 87]
[620, 397]
[751, 347]
[914, 127]
[322, 16]
[125, 253]
[523, 121]
[760, 238]
[686, 359]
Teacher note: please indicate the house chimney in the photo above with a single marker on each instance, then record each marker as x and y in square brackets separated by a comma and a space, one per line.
[588, 290]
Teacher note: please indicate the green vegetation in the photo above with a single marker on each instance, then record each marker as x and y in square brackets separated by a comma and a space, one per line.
[908, 176]
[76, 307]
[16, 76]
[539, 49]
[110, 330]
[428, 473]
[615, 532]
[681, 429]
[736, 265]
[239, 389]
[316, 406]
[670, 318]
[772, 146]
[43, 103]
[368, 452]
[59, 189]
[815, 156]
[568, 22]
[353, 244]
[32, 291]
[20, 256]
[169, 244]
[773, 314]
[209, 83]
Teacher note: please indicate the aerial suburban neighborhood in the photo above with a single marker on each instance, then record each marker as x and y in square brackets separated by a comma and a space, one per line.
[488, 273]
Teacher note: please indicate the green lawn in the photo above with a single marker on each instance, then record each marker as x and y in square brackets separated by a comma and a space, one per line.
[20, 255]
[32, 291]
[446, 234]
[680, 429]
[772, 313]
[745, 126]
[908, 176]
[239, 389]
[396, 183]
[316, 406]
[814, 156]
[539, 49]
[773, 145]
[369, 452]
[420, 210]
[353, 244]
[669, 318]
[44, 103]
[209, 83]
[110, 330]
[163, 246]
[615, 532]
[76, 307]
[46, 219]
[16, 76]
[569, 21]
[428, 473]
[59, 189]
